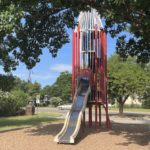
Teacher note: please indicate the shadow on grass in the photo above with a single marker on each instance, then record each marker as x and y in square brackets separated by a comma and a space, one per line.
[16, 123]
[133, 133]
[138, 134]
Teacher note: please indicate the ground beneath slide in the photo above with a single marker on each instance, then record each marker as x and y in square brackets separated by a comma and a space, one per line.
[120, 137]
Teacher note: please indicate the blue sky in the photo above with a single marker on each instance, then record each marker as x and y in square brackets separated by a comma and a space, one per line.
[49, 68]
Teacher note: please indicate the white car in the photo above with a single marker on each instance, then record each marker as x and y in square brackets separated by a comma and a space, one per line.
[66, 106]
[109, 105]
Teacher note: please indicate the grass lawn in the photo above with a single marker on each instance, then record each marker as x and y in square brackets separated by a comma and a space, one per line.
[140, 110]
[8, 123]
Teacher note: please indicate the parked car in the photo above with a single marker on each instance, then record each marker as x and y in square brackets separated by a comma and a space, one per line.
[109, 105]
[65, 106]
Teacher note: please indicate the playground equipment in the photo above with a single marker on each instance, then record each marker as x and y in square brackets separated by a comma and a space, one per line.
[89, 76]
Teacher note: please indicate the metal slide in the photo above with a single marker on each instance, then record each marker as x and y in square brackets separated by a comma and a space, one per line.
[73, 119]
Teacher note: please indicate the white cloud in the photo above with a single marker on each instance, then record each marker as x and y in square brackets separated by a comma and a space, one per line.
[61, 67]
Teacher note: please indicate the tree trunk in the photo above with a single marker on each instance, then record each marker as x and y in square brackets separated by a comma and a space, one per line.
[121, 108]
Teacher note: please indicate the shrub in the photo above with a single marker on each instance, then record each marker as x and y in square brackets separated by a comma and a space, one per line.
[11, 103]
[56, 101]
[8, 104]
[21, 97]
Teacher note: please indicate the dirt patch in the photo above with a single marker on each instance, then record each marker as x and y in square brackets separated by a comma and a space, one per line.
[120, 137]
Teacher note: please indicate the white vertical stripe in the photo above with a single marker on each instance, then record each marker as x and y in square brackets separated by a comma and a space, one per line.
[88, 19]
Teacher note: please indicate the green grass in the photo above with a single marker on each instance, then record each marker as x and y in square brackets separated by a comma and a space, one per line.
[8, 123]
[140, 110]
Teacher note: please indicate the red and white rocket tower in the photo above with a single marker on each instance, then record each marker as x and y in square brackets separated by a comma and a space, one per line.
[89, 59]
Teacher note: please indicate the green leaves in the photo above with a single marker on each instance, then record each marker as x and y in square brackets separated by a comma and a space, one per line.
[63, 82]
[119, 2]
[56, 101]
[6, 82]
[26, 27]
[11, 103]
[9, 17]
[126, 79]
[61, 88]
[32, 29]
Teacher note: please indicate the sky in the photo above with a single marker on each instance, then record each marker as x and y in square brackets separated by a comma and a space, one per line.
[48, 69]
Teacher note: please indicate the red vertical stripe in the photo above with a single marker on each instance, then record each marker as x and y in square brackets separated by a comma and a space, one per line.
[106, 100]
[102, 68]
[90, 115]
[100, 114]
[73, 64]
[78, 49]
[96, 98]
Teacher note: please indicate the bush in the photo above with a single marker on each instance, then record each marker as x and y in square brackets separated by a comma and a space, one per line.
[11, 103]
[21, 97]
[8, 105]
[56, 101]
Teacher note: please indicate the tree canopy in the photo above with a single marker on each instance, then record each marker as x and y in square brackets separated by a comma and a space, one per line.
[64, 83]
[26, 27]
[11, 83]
[61, 88]
[126, 79]
[6, 82]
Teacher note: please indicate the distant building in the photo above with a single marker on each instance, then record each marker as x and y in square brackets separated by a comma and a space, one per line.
[133, 101]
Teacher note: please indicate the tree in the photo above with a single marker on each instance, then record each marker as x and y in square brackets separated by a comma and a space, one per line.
[55, 91]
[125, 79]
[21, 97]
[20, 84]
[45, 91]
[36, 25]
[28, 87]
[33, 89]
[56, 101]
[64, 84]
[61, 88]
[6, 82]
[26, 27]
[146, 96]
[146, 100]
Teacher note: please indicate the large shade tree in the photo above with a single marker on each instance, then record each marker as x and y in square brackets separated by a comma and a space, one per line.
[61, 88]
[64, 83]
[6, 82]
[126, 79]
[26, 27]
